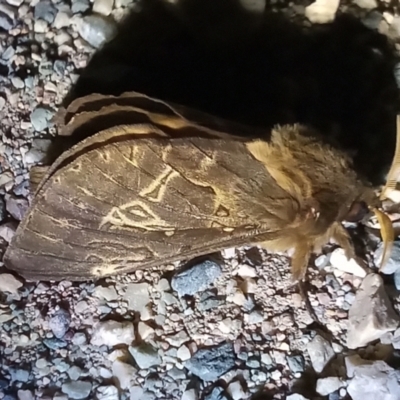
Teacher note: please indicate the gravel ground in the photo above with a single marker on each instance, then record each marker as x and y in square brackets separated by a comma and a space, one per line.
[228, 328]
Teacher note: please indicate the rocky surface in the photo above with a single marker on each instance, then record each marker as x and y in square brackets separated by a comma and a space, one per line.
[217, 330]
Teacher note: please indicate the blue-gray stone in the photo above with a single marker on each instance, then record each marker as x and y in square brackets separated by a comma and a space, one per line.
[45, 10]
[253, 363]
[97, 30]
[19, 374]
[196, 278]
[40, 118]
[6, 22]
[393, 263]
[211, 363]
[372, 19]
[54, 343]
[60, 66]
[216, 394]
[397, 279]
[397, 74]
[80, 6]
[296, 363]
[77, 389]
[59, 323]
[3, 211]
[4, 384]
[145, 355]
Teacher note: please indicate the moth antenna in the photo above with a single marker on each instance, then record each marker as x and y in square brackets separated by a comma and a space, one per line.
[387, 233]
[341, 236]
[394, 171]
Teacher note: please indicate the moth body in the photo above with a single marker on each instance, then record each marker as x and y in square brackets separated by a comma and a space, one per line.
[168, 183]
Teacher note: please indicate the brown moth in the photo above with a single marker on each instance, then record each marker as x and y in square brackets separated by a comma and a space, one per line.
[147, 183]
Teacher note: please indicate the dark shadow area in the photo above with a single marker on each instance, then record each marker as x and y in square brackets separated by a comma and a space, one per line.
[258, 69]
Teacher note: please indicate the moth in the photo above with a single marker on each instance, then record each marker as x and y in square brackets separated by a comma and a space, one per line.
[143, 182]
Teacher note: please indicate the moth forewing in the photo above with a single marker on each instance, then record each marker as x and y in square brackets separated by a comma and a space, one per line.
[144, 202]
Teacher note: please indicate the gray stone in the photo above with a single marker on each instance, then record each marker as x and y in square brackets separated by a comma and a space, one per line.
[97, 30]
[80, 6]
[397, 74]
[59, 323]
[15, 3]
[19, 375]
[2, 102]
[371, 315]
[328, 385]
[255, 317]
[107, 293]
[393, 263]
[6, 22]
[54, 343]
[25, 395]
[17, 207]
[74, 373]
[253, 363]
[216, 394]
[396, 279]
[135, 392]
[372, 20]
[77, 389]
[211, 363]
[8, 53]
[177, 339]
[196, 278]
[112, 333]
[145, 355]
[137, 296]
[17, 82]
[62, 366]
[123, 373]
[103, 7]
[9, 283]
[107, 393]
[60, 67]
[79, 338]
[40, 118]
[62, 20]
[374, 380]
[322, 11]
[367, 4]
[235, 389]
[190, 394]
[321, 352]
[256, 6]
[6, 178]
[296, 396]
[339, 261]
[321, 261]
[45, 10]
[210, 303]
[34, 156]
[296, 363]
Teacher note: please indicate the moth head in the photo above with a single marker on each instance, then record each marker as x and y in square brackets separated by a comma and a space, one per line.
[369, 202]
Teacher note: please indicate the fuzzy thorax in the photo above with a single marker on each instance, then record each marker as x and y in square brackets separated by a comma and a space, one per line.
[322, 185]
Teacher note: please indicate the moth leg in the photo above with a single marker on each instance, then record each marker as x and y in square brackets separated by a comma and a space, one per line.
[342, 238]
[300, 259]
